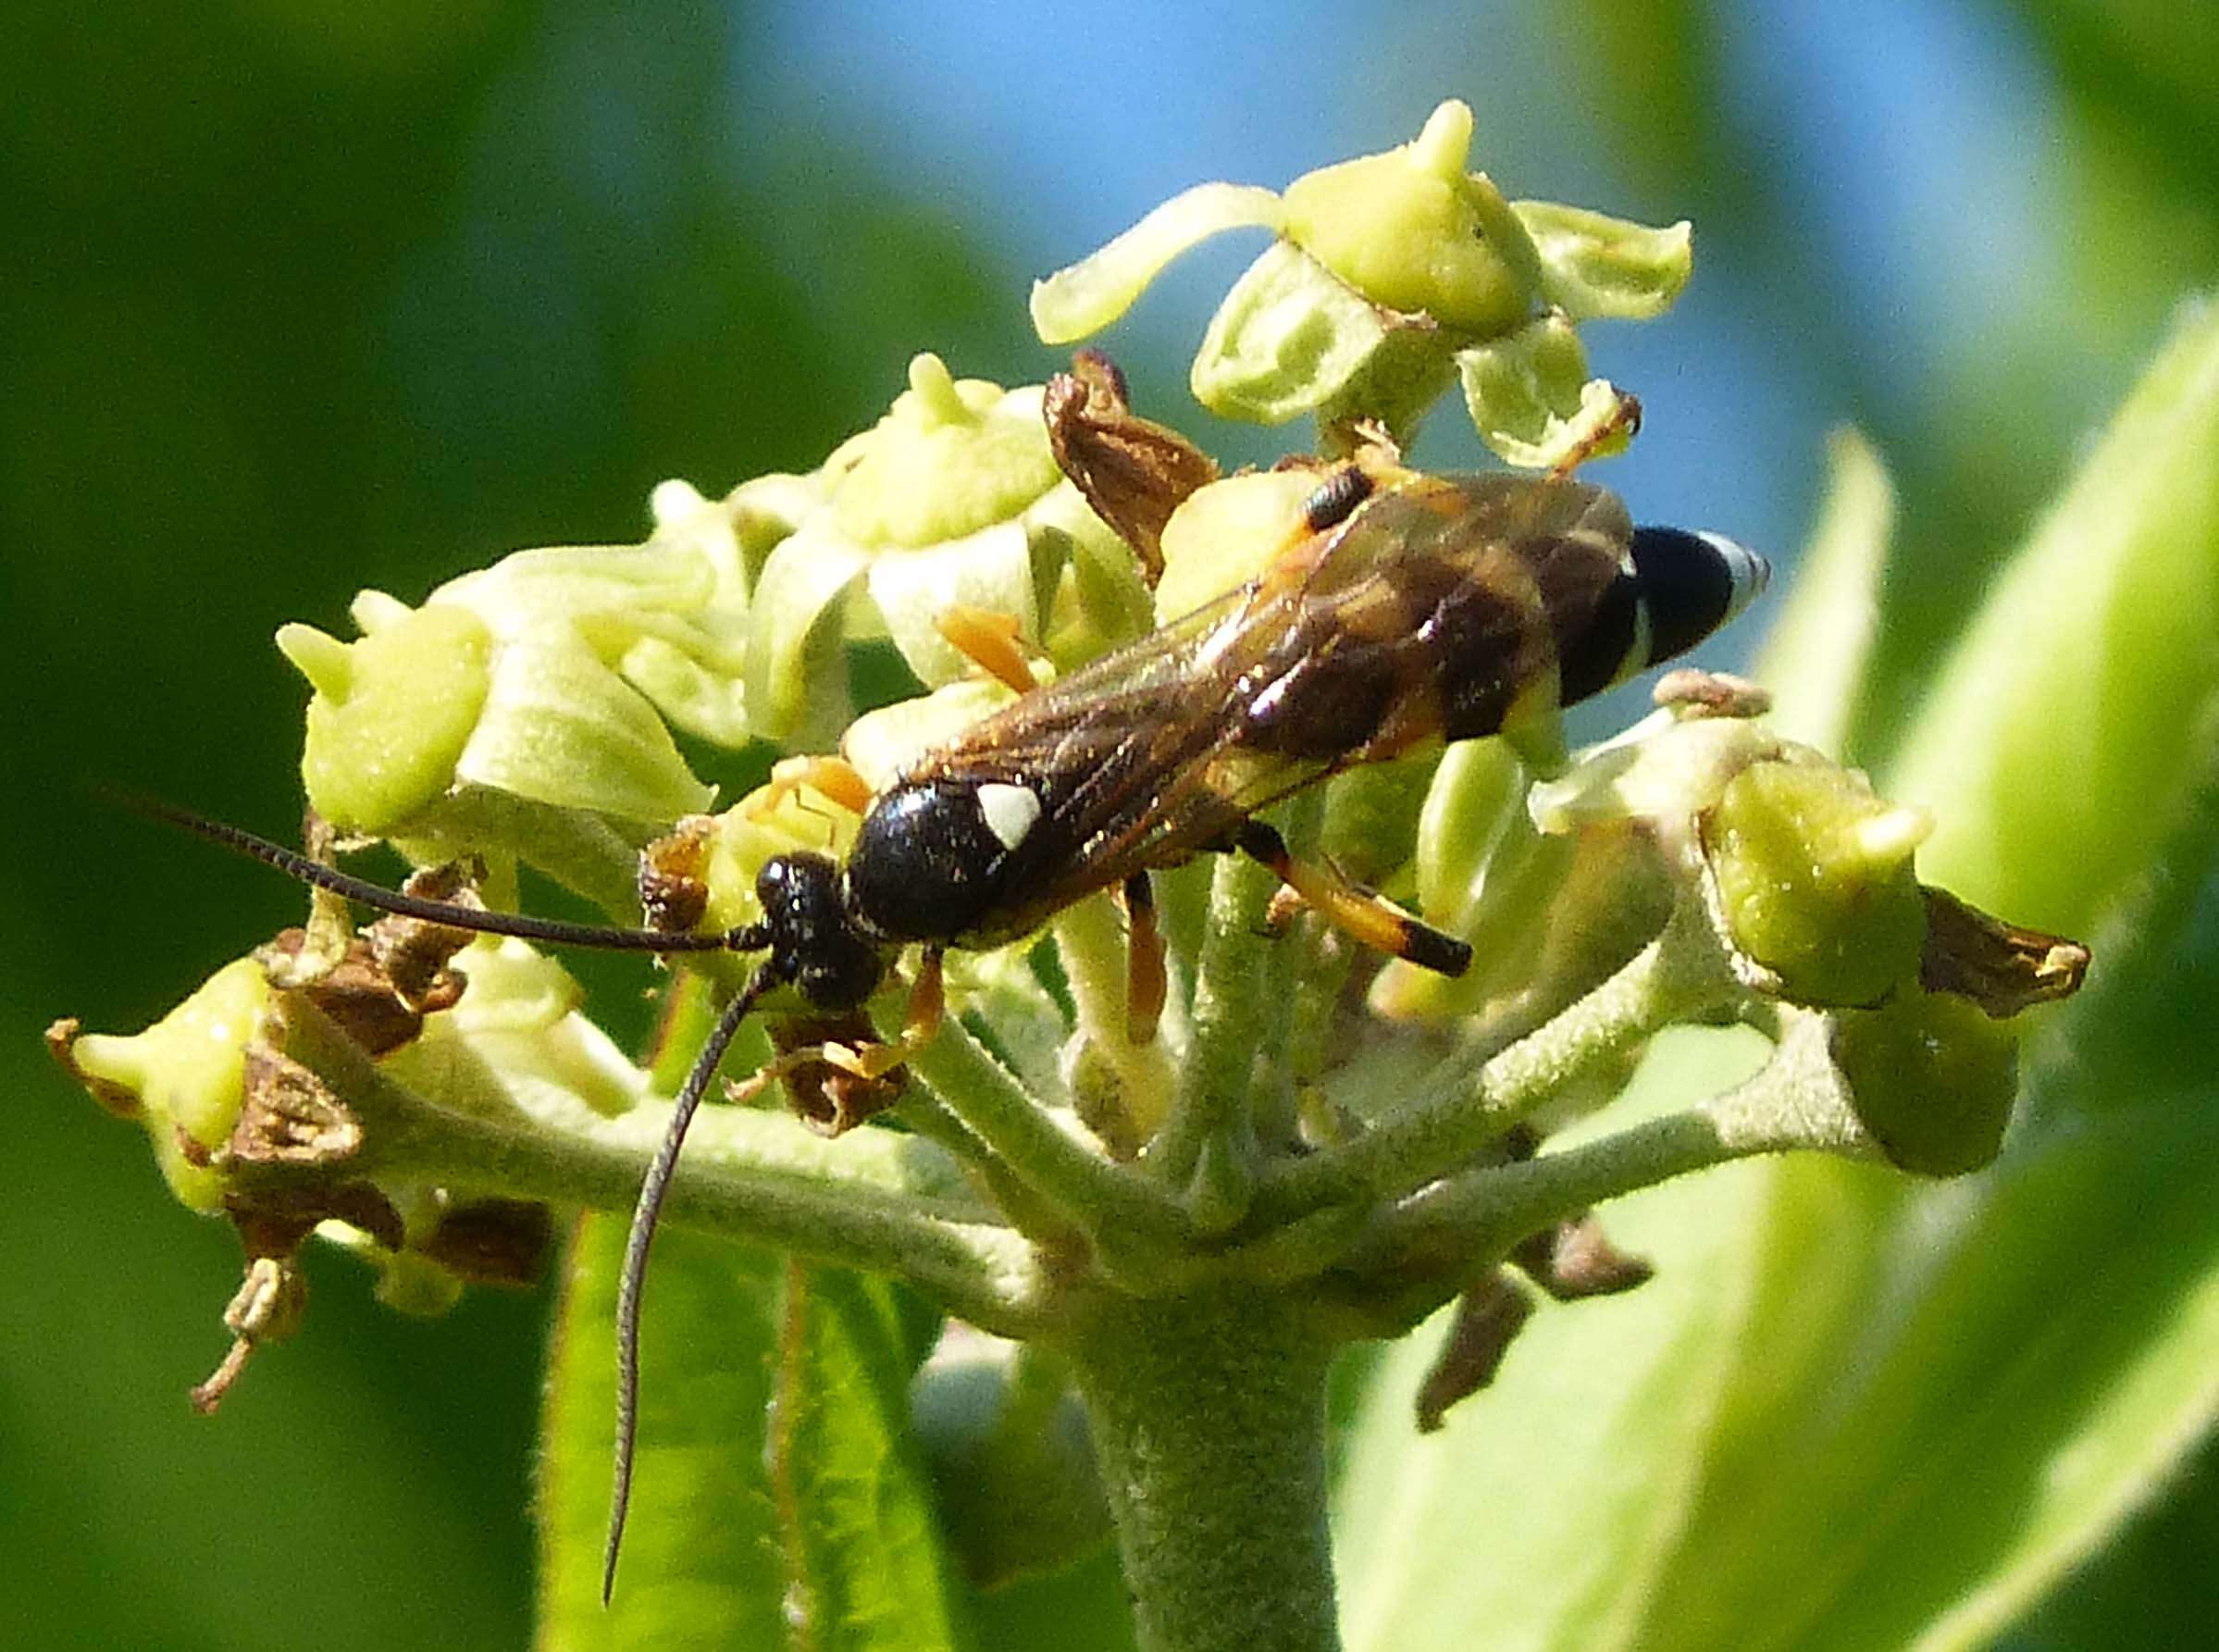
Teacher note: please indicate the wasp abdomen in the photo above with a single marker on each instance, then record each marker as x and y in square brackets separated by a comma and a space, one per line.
[1690, 584]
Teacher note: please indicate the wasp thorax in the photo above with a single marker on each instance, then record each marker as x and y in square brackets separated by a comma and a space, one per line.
[832, 963]
[928, 861]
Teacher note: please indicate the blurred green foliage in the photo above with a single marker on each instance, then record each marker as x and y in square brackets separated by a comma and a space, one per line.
[298, 298]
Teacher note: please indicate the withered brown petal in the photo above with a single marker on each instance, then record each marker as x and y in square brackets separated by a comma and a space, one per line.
[1132, 471]
[674, 883]
[2001, 967]
[413, 954]
[1576, 1259]
[494, 1241]
[289, 1116]
[358, 995]
[1488, 1316]
[831, 1099]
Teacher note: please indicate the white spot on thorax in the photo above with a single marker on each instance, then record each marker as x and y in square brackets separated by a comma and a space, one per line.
[1008, 811]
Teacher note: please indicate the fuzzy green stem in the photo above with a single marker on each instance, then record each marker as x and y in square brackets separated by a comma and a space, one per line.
[1208, 1420]
[1232, 990]
[1796, 1100]
[1071, 1175]
[894, 1205]
[1676, 977]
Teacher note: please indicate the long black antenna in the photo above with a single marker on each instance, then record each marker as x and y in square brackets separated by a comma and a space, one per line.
[553, 932]
[772, 972]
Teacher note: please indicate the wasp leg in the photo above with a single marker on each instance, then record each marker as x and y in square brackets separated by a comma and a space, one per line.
[835, 777]
[1375, 921]
[1145, 983]
[989, 640]
[867, 1060]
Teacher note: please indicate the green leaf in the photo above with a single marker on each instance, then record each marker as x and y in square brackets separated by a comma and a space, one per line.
[1815, 656]
[776, 1473]
[703, 1563]
[1548, 1498]
[869, 1568]
[2090, 656]
[2024, 1382]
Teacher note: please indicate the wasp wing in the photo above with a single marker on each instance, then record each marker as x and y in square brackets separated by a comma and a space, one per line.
[1431, 611]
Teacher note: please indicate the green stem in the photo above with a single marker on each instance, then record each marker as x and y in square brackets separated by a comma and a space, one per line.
[1796, 1100]
[1071, 1175]
[1676, 977]
[1093, 947]
[891, 1205]
[1208, 1420]
[1232, 982]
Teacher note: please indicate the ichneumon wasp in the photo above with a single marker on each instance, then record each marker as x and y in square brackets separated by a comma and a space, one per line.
[1405, 608]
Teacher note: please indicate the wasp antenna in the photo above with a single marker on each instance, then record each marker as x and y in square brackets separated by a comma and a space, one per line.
[553, 932]
[633, 1280]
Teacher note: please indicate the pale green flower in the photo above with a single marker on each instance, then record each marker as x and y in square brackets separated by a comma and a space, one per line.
[1392, 277]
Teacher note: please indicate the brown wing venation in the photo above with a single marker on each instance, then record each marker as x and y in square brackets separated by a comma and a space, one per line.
[1155, 751]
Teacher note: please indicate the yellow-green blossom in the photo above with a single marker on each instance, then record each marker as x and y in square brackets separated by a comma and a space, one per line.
[1392, 277]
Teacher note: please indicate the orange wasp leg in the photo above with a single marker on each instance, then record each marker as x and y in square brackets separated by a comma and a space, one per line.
[920, 1026]
[1147, 984]
[1378, 923]
[989, 640]
[835, 777]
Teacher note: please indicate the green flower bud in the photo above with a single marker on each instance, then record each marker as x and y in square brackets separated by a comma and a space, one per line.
[188, 1072]
[1932, 1077]
[390, 714]
[1548, 914]
[882, 743]
[948, 459]
[668, 616]
[560, 727]
[516, 1041]
[1103, 598]
[1412, 230]
[1663, 770]
[1391, 274]
[1815, 883]
[953, 499]
[549, 677]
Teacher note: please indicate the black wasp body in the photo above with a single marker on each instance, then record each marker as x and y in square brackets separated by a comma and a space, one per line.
[1406, 608]
[1418, 609]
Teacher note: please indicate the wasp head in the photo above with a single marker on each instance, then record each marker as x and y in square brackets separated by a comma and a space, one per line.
[814, 941]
